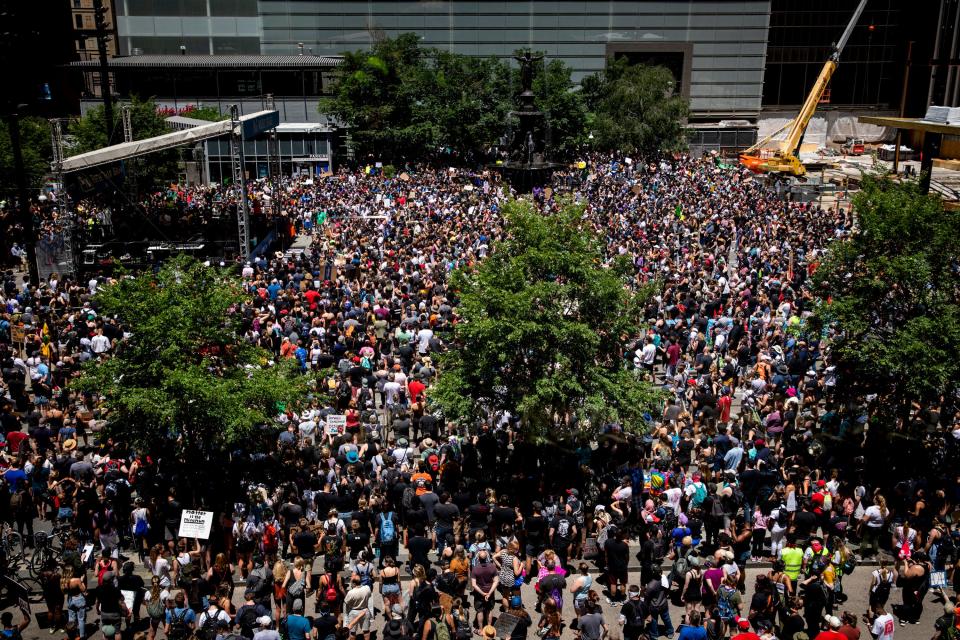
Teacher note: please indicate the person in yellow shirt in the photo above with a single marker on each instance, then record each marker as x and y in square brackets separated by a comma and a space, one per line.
[792, 557]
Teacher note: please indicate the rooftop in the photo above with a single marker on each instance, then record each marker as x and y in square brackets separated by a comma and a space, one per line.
[213, 62]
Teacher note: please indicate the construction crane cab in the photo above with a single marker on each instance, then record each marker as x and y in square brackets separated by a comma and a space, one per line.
[784, 157]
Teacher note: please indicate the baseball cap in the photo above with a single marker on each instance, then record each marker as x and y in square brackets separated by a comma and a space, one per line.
[832, 621]
[742, 623]
[516, 602]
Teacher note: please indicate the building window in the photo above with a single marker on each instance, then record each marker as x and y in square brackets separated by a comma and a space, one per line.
[81, 44]
[78, 20]
[77, 4]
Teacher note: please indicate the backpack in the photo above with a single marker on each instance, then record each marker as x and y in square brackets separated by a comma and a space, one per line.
[699, 494]
[140, 527]
[678, 572]
[882, 592]
[247, 619]
[724, 606]
[827, 501]
[441, 630]
[270, 536]
[101, 570]
[408, 497]
[295, 588]
[208, 630]
[783, 517]
[365, 574]
[178, 626]
[388, 529]
[156, 608]
[716, 508]
[463, 626]
[947, 550]
[637, 617]
[16, 500]
[330, 593]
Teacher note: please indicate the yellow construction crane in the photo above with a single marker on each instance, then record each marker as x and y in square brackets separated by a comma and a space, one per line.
[783, 158]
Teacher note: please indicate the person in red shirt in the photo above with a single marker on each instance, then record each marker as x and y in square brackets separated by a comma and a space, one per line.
[818, 497]
[833, 631]
[15, 439]
[724, 403]
[743, 625]
[416, 389]
[849, 629]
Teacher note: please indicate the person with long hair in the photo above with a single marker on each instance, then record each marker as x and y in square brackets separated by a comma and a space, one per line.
[76, 591]
[221, 572]
[550, 625]
[52, 594]
[158, 565]
[156, 603]
[692, 592]
[390, 585]
[280, 572]
[874, 518]
[580, 588]
[297, 581]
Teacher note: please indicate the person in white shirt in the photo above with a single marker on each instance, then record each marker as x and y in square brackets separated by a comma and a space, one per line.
[883, 626]
[356, 609]
[100, 343]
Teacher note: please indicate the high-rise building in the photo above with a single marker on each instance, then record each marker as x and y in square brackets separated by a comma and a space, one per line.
[85, 33]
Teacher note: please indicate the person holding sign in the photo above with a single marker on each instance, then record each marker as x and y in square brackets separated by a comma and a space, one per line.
[11, 632]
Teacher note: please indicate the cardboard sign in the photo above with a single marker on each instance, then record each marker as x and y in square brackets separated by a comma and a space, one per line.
[336, 424]
[195, 524]
[18, 334]
[506, 624]
[128, 598]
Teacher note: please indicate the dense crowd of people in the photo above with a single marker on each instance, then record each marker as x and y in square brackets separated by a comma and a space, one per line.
[404, 523]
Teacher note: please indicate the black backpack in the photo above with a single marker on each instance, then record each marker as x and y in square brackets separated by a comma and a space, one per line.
[209, 629]
[178, 626]
[247, 619]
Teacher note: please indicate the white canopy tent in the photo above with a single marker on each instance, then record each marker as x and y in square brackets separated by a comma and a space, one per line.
[149, 145]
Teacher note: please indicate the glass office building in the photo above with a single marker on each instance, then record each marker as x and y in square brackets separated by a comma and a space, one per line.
[715, 49]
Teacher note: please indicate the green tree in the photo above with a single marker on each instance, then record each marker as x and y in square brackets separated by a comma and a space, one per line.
[206, 113]
[404, 102]
[375, 96]
[634, 108]
[35, 146]
[543, 331]
[184, 385]
[891, 292]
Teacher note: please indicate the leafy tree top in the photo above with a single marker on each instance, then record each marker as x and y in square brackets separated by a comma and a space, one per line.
[544, 322]
[892, 292]
[636, 109]
[184, 382]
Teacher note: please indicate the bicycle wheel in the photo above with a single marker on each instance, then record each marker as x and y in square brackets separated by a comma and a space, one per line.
[40, 558]
[14, 544]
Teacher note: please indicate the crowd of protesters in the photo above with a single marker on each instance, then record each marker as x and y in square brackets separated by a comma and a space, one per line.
[404, 523]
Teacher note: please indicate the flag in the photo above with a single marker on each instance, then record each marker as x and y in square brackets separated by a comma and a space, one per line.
[321, 217]
[678, 211]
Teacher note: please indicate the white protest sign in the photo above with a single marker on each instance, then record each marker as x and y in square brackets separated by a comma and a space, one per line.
[336, 424]
[195, 524]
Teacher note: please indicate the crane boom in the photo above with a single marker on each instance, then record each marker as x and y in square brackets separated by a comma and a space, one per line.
[785, 158]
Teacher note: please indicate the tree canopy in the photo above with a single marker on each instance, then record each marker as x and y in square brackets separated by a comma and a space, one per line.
[891, 294]
[635, 109]
[35, 146]
[542, 333]
[184, 384]
[404, 102]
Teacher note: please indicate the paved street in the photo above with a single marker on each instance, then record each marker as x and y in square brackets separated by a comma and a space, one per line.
[855, 586]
